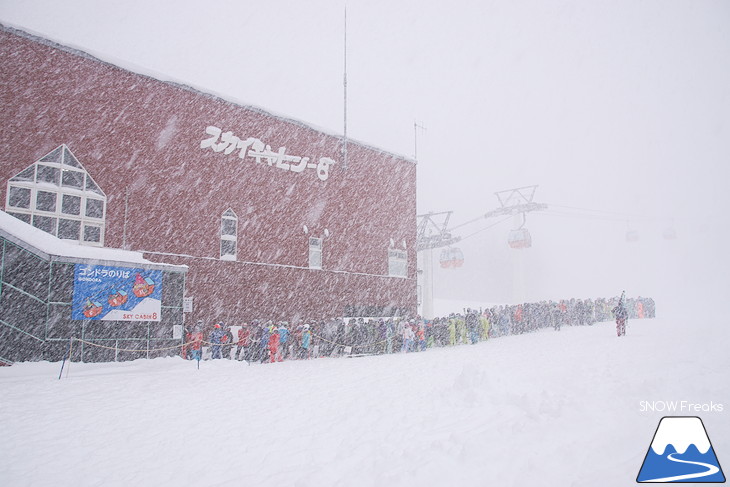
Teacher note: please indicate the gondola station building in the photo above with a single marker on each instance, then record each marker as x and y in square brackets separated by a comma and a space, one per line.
[245, 214]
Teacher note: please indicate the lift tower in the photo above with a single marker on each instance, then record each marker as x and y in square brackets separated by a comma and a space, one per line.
[432, 234]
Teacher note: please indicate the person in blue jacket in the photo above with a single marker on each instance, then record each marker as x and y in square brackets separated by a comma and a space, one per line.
[306, 342]
[283, 341]
[215, 341]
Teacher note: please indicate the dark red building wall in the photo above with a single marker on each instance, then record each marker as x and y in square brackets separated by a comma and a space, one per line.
[140, 138]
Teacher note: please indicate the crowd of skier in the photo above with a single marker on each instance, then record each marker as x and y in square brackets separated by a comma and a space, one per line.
[266, 341]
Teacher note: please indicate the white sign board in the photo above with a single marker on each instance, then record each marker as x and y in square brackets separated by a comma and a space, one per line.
[188, 305]
[177, 332]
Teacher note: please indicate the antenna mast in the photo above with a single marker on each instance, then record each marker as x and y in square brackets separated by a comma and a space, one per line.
[344, 147]
[416, 126]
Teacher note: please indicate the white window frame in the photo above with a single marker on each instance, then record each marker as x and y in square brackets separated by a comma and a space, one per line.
[397, 263]
[315, 252]
[68, 163]
[229, 215]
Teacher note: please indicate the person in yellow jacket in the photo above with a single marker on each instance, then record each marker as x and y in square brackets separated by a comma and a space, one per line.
[485, 326]
[461, 328]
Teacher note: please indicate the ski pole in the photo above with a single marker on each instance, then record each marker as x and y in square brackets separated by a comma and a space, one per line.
[68, 354]
[62, 364]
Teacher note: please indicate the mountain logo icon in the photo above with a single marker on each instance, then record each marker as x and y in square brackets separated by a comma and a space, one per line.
[680, 452]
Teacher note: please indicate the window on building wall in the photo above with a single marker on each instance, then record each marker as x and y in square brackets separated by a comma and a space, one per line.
[71, 205]
[397, 263]
[94, 208]
[229, 235]
[46, 201]
[315, 253]
[92, 234]
[69, 229]
[45, 223]
[57, 195]
[19, 197]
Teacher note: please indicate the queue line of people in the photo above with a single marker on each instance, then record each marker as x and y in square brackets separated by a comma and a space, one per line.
[260, 341]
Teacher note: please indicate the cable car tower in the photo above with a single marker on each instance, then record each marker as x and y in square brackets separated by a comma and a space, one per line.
[515, 202]
[432, 234]
[518, 202]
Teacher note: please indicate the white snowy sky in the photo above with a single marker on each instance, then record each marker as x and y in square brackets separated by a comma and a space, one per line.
[620, 106]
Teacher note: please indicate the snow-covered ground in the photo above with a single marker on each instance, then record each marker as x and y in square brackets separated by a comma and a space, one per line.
[544, 409]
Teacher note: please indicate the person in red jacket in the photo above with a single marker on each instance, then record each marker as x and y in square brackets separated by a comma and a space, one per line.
[185, 352]
[273, 343]
[196, 337]
[244, 342]
[421, 335]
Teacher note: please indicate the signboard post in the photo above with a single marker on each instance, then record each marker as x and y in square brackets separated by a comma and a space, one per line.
[187, 308]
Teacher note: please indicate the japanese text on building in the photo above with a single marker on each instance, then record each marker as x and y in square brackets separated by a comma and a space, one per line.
[254, 148]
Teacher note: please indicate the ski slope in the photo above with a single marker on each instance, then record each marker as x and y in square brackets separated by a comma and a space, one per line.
[711, 470]
[543, 409]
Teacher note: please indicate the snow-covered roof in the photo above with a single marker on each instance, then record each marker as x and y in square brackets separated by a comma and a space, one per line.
[162, 78]
[52, 248]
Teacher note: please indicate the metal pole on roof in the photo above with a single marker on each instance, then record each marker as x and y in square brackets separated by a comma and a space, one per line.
[344, 148]
[126, 212]
[415, 140]
[416, 126]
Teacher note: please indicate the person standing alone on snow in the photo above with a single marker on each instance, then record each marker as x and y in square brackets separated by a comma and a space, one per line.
[621, 314]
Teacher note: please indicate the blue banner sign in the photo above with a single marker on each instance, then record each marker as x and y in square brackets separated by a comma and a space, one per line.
[116, 293]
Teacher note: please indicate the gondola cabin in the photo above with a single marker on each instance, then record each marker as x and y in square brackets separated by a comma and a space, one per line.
[143, 286]
[451, 258]
[92, 309]
[519, 239]
[117, 298]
